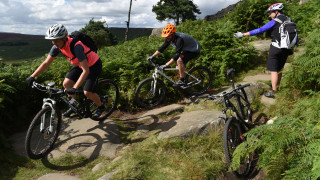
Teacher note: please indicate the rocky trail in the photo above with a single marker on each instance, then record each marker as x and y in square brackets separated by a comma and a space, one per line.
[92, 139]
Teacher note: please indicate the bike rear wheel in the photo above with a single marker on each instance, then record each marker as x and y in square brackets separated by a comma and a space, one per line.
[41, 136]
[108, 92]
[199, 79]
[232, 137]
[150, 94]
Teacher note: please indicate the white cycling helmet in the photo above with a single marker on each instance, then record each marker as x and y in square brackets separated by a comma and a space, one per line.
[56, 31]
[275, 7]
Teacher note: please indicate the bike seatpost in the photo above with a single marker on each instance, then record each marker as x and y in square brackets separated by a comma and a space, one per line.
[229, 71]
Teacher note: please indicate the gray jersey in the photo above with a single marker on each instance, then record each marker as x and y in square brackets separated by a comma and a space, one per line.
[190, 44]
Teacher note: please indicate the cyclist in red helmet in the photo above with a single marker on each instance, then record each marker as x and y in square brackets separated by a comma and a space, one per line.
[187, 48]
[277, 55]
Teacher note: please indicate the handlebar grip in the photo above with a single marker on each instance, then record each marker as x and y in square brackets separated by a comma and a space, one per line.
[243, 86]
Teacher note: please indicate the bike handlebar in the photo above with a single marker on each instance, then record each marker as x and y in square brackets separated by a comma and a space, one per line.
[223, 94]
[41, 87]
[152, 63]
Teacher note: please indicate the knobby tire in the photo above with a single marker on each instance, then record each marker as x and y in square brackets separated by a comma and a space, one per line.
[39, 144]
[108, 92]
[146, 97]
[232, 137]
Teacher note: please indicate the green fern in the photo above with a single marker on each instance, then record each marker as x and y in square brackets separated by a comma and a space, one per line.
[289, 148]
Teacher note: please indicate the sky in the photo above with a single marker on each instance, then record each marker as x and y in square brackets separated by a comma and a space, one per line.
[36, 16]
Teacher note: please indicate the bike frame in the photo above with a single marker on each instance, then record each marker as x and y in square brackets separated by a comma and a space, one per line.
[158, 71]
[83, 110]
[230, 106]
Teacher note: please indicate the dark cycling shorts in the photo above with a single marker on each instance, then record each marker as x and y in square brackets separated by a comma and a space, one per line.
[277, 58]
[95, 71]
[186, 56]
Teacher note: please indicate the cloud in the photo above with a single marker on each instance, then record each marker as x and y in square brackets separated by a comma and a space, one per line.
[35, 16]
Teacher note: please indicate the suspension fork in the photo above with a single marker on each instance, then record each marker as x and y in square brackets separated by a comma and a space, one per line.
[154, 85]
[51, 103]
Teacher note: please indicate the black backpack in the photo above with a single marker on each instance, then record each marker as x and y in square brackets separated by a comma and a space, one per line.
[288, 33]
[84, 38]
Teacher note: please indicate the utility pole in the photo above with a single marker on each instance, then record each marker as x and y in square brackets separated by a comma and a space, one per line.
[128, 22]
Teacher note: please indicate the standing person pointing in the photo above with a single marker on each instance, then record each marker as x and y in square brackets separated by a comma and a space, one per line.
[277, 54]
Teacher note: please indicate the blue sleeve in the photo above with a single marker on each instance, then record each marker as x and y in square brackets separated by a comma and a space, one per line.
[263, 29]
[79, 52]
[54, 51]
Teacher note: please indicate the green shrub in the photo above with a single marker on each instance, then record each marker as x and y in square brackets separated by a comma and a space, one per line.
[305, 71]
[289, 148]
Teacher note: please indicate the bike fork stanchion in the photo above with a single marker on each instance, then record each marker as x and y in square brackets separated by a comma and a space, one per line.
[48, 102]
[154, 85]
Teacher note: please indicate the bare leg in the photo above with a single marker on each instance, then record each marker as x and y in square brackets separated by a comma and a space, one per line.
[275, 79]
[279, 78]
[67, 84]
[94, 97]
[181, 68]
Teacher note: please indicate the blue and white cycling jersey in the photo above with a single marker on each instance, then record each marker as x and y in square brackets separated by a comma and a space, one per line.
[273, 26]
[263, 29]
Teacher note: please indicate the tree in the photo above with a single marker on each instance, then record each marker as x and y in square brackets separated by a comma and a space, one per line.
[178, 10]
[99, 34]
[128, 22]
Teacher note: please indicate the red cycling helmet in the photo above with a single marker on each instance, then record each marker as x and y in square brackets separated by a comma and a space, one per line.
[275, 7]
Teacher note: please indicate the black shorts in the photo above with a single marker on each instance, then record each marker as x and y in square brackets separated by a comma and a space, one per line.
[277, 58]
[95, 71]
[186, 56]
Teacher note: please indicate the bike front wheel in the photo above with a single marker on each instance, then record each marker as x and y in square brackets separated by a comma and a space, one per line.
[150, 93]
[245, 105]
[108, 92]
[198, 80]
[232, 137]
[43, 132]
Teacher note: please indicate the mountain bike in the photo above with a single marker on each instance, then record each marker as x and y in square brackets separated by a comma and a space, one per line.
[45, 126]
[238, 120]
[152, 91]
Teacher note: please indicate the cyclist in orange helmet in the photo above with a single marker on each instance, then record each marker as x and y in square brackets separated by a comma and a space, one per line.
[187, 48]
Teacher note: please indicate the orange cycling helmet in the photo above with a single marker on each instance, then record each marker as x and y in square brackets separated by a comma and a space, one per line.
[168, 30]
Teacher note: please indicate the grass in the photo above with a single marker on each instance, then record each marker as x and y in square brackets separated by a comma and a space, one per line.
[198, 157]
[191, 158]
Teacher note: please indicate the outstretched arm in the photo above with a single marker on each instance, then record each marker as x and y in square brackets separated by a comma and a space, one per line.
[44, 65]
[156, 53]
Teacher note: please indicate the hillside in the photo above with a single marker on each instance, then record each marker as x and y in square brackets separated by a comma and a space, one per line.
[19, 47]
[33, 46]
[5, 37]
[133, 32]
